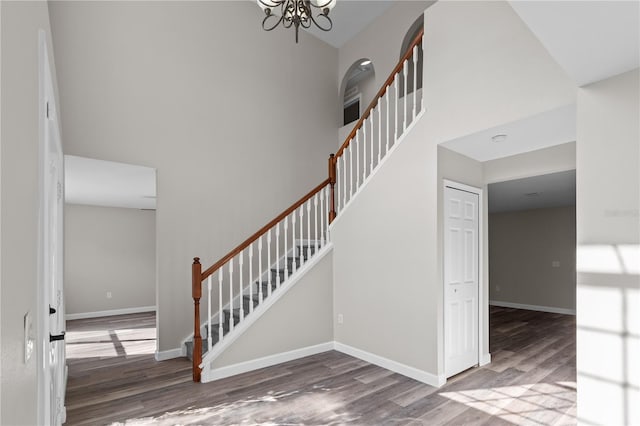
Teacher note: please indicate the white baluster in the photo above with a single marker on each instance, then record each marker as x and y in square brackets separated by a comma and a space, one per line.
[315, 220]
[269, 274]
[250, 277]
[260, 295]
[387, 95]
[372, 140]
[351, 169]
[231, 295]
[406, 92]
[278, 278]
[396, 80]
[220, 313]
[286, 253]
[379, 130]
[415, 80]
[364, 150]
[301, 247]
[322, 218]
[344, 180]
[240, 264]
[326, 215]
[308, 229]
[339, 185]
[357, 160]
[293, 241]
[209, 287]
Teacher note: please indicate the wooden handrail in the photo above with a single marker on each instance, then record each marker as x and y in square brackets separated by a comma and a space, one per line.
[416, 41]
[204, 275]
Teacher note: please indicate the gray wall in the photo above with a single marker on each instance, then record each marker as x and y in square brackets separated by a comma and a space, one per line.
[109, 249]
[522, 247]
[608, 235]
[239, 123]
[19, 192]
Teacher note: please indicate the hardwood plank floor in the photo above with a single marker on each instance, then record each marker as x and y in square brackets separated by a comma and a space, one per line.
[114, 379]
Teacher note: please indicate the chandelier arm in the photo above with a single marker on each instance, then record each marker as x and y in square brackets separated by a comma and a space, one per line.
[270, 28]
[323, 28]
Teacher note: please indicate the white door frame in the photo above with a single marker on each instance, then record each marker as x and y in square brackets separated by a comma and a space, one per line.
[483, 359]
[49, 144]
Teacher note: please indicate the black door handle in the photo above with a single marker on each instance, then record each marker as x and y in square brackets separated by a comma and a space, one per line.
[52, 310]
[56, 337]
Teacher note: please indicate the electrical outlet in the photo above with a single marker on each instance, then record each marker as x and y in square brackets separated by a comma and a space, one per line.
[497, 288]
[109, 295]
[555, 264]
[340, 319]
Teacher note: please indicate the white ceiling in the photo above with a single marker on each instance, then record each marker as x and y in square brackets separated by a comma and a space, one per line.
[590, 40]
[109, 184]
[552, 190]
[349, 18]
[550, 128]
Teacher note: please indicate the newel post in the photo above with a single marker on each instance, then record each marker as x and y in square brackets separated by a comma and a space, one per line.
[196, 292]
[332, 182]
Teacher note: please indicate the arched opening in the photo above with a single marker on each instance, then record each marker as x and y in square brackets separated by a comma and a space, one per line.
[412, 33]
[357, 89]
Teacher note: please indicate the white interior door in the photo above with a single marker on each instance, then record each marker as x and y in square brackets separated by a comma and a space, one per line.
[461, 249]
[52, 380]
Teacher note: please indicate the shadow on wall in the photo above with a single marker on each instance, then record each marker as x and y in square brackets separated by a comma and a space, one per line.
[608, 338]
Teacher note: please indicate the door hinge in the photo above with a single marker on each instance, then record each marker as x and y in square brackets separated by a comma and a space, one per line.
[47, 109]
[59, 191]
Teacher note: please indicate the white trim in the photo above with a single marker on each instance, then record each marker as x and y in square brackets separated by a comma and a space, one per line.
[378, 167]
[170, 354]
[109, 313]
[405, 370]
[485, 359]
[446, 183]
[539, 308]
[263, 307]
[267, 361]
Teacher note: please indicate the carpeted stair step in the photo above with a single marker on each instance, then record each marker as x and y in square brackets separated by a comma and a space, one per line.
[280, 272]
[302, 250]
[246, 300]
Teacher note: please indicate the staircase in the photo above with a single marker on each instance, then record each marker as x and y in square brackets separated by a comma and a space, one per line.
[243, 285]
[283, 273]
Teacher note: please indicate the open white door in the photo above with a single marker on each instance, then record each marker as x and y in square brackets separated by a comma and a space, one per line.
[461, 279]
[52, 369]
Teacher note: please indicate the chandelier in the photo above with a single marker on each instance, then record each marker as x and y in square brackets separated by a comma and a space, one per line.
[296, 13]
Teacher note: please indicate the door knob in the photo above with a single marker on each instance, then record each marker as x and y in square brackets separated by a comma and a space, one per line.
[52, 310]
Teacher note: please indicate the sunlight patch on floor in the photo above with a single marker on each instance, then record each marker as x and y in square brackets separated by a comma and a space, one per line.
[531, 404]
[254, 411]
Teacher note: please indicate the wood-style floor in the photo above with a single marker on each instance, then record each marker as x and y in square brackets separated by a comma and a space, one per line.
[114, 379]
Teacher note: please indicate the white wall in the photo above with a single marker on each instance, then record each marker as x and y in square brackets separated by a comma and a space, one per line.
[109, 250]
[19, 192]
[608, 235]
[238, 122]
[522, 247]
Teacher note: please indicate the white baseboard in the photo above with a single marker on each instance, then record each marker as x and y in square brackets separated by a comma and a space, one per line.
[550, 309]
[171, 354]
[405, 370]
[267, 361]
[109, 313]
